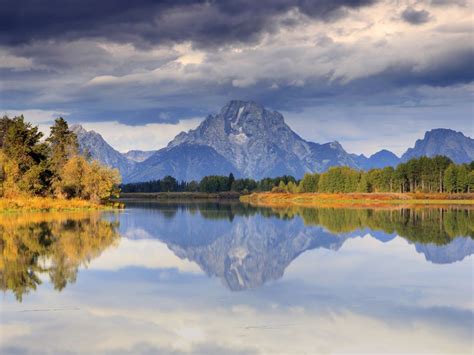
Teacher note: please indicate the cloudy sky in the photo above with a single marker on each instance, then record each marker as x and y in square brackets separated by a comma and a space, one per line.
[370, 74]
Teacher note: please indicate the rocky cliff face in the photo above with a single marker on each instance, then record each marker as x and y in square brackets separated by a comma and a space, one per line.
[258, 143]
[452, 144]
[246, 139]
[92, 144]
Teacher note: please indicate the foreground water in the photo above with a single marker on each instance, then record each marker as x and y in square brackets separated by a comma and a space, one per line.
[229, 278]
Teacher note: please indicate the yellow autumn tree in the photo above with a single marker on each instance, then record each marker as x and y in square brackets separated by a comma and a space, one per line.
[88, 180]
[73, 176]
[101, 183]
[9, 174]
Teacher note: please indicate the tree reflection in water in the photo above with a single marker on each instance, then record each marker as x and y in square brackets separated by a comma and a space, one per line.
[56, 244]
[243, 245]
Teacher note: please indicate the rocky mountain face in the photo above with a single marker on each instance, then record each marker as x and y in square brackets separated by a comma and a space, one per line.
[257, 143]
[246, 139]
[441, 141]
[92, 144]
[183, 162]
[139, 155]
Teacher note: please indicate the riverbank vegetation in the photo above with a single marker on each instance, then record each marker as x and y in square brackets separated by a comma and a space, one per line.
[430, 179]
[228, 195]
[423, 175]
[37, 173]
[357, 200]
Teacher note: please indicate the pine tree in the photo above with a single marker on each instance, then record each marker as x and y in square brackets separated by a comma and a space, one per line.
[309, 183]
[63, 144]
[450, 178]
[230, 182]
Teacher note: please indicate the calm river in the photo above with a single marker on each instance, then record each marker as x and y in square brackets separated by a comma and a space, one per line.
[227, 278]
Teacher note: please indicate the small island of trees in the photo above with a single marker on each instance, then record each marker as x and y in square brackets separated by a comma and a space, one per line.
[52, 168]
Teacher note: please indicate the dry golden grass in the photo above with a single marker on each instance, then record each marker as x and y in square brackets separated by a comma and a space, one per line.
[365, 200]
[49, 204]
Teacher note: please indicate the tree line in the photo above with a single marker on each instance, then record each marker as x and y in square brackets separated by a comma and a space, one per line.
[437, 174]
[208, 184]
[51, 167]
[430, 175]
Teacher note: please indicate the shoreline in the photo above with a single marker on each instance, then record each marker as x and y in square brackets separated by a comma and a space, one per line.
[160, 196]
[270, 199]
[48, 204]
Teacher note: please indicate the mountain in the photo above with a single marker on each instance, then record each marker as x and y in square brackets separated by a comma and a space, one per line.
[251, 140]
[183, 162]
[441, 141]
[93, 144]
[381, 159]
[139, 155]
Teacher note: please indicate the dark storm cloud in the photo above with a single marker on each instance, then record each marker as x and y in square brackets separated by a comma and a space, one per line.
[145, 22]
[415, 17]
[453, 69]
[448, 2]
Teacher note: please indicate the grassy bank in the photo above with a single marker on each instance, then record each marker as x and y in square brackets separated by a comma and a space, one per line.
[355, 199]
[179, 196]
[51, 204]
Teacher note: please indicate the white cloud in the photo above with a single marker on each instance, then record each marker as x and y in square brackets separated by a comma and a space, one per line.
[147, 253]
[17, 63]
[36, 116]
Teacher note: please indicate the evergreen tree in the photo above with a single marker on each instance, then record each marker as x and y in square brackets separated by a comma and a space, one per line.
[230, 182]
[169, 184]
[470, 184]
[363, 185]
[63, 143]
[462, 179]
[25, 158]
[309, 183]
[450, 178]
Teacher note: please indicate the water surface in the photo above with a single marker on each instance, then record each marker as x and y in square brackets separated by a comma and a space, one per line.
[229, 278]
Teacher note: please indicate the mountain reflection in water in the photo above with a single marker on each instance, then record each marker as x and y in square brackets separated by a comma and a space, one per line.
[242, 245]
[247, 246]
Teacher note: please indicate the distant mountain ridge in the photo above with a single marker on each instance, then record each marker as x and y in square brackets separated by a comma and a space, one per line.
[442, 141]
[139, 155]
[254, 141]
[93, 144]
[250, 141]
[381, 159]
